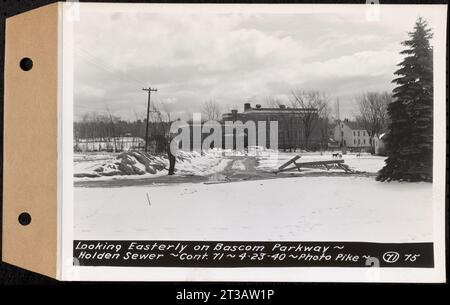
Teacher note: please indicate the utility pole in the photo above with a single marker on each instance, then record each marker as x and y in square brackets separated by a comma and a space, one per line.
[149, 90]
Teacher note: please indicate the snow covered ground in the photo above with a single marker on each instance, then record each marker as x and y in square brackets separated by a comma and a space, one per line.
[301, 208]
[210, 162]
[347, 207]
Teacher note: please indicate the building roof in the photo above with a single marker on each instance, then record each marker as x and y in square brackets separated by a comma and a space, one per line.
[280, 110]
[353, 125]
[273, 111]
[258, 110]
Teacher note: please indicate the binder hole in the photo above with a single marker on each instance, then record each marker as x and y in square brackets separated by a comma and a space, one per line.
[26, 64]
[24, 219]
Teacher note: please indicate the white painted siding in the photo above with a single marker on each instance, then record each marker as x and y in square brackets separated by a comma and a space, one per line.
[351, 138]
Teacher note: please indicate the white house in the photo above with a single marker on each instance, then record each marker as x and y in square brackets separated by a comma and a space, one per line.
[351, 135]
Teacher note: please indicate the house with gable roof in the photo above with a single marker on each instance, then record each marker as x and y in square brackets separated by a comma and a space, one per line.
[352, 135]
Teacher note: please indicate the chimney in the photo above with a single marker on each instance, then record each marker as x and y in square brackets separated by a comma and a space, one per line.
[258, 106]
[247, 106]
[234, 114]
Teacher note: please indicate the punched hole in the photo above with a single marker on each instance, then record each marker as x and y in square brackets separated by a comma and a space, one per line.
[24, 219]
[26, 64]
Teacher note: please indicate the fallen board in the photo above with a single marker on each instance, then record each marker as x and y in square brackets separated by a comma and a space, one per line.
[289, 162]
[314, 164]
[216, 182]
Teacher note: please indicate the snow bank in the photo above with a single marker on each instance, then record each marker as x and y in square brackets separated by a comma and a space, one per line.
[127, 163]
[137, 163]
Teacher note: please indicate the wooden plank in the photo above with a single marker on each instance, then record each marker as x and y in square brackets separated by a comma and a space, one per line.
[320, 162]
[315, 164]
[289, 162]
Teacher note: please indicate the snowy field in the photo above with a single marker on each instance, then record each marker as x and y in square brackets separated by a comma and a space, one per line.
[344, 208]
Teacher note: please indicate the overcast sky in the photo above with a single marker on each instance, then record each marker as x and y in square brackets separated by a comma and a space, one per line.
[231, 58]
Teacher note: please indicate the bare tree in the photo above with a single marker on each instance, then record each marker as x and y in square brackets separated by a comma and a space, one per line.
[113, 131]
[314, 104]
[166, 110]
[228, 108]
[273, 102]
[373, 111]
[160, 116]
[211, 110]
[96, 129]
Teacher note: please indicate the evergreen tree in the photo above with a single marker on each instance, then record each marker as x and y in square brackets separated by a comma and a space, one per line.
[409, 141]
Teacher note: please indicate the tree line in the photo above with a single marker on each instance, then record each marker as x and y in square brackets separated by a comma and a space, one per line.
[371, 113]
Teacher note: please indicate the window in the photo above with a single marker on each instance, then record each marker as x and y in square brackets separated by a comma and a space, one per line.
[354, 133]
[358, 133]
[364, 133]
[354, 141]
[364, 141]
[342, 134]
[359, 142]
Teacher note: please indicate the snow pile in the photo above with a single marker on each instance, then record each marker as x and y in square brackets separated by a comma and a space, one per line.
[137, 163]
[126, 163]
[238, 165]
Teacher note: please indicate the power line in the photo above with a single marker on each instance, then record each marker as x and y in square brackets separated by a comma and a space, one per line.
[97, 62]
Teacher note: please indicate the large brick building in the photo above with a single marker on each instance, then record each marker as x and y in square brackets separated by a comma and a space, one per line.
[291, 121]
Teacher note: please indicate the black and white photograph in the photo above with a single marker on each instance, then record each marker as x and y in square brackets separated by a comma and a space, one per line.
[268, 123]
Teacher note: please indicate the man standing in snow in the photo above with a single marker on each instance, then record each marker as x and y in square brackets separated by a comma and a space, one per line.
[171, 157]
